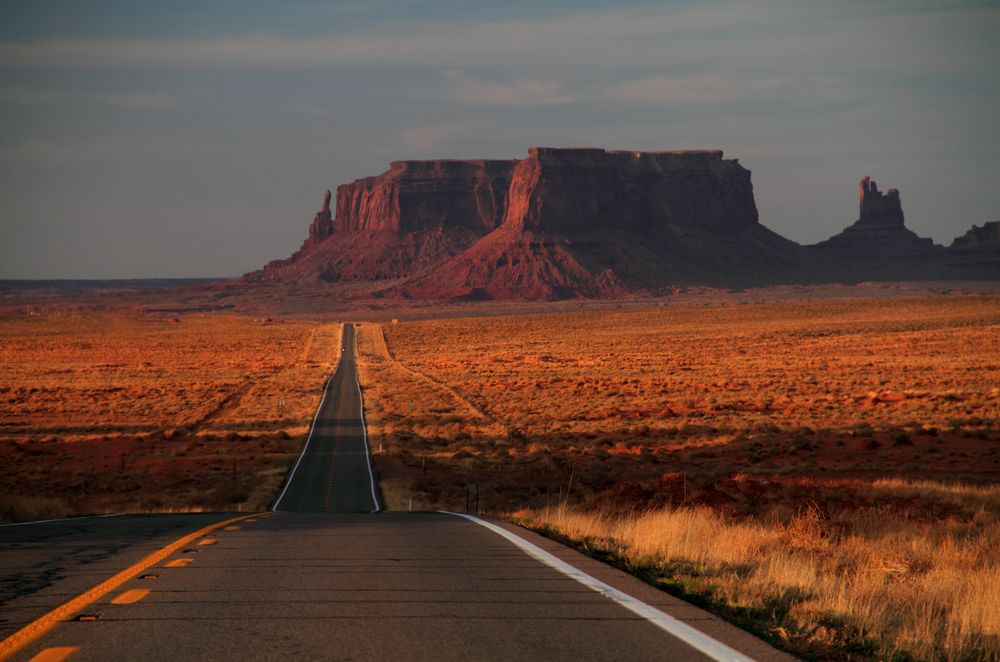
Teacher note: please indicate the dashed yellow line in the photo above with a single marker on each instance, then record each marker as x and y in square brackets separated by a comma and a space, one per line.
[208, 541]
[232, 528]
[43, 624]
[179, 563]
[57, 654]
[129, 597]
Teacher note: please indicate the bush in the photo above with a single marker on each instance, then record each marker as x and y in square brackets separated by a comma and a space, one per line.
[14, 508]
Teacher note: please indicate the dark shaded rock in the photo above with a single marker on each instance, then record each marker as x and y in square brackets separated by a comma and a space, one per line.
[598, 223]
[977, 251]
[879, 245]
[986, 238]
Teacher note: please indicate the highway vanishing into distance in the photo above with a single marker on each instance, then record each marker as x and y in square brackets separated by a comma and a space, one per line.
[327, 576]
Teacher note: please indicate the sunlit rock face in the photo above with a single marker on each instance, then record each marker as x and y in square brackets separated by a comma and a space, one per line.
[587, 222]
[415, 214]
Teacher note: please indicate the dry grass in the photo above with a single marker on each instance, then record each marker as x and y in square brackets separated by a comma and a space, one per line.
[828, 466]
[109, 412]
[871, 586]
[854, 390]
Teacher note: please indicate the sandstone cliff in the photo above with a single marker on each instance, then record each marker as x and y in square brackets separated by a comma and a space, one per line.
[565, 223]
[387, 226]
[594, 222]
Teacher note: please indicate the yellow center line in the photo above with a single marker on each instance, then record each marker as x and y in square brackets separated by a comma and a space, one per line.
[43, 624]
[232, 528]
[179, 563]
[128, 597]
[208, 541]
[55, 654]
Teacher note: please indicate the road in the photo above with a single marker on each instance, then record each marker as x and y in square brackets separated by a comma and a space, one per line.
[334, 474]
[309, 582]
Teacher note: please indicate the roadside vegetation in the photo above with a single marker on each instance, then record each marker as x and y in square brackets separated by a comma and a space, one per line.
[821, 472]
[824, 583]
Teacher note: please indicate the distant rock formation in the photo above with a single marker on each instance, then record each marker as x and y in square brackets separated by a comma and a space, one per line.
[877, 208]
[419, 195]
[413, 215]
[594, 222]
[986, 238]
[322, 225]
[564, 223]
[878, 244]
[977, 251]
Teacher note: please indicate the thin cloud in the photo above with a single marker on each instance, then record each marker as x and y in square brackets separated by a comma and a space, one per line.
[137, 100]
[20, 96]
[580, 38]
[49, 152]
[734, 35]
[673, 90]
[434, 137]
[519, 92]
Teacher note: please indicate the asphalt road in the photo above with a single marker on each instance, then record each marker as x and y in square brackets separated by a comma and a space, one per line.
[334, 473]
[43, 565]
[309, 582]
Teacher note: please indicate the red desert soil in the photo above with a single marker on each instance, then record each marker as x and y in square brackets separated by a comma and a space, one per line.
[602, 405]
[104, 412]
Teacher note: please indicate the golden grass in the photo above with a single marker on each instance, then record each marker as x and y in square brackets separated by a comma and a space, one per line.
[858, 390]
[878, 588]
[814, 364]
[830, 466]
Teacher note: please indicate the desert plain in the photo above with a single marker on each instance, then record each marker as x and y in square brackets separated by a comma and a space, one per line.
[822, 472]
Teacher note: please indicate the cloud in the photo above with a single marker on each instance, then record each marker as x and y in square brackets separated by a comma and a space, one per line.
[52, 152]
[586, 37]
[20, 96]
[438, 136]
[698, 89]
[137, 100]
[518, 92]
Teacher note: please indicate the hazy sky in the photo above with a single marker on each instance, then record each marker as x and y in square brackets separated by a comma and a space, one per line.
[197, 138]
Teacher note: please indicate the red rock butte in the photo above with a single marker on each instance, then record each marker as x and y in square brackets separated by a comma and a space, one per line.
[580, 222]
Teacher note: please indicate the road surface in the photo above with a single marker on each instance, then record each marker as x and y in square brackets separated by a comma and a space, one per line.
[334, 473]
[311, 582]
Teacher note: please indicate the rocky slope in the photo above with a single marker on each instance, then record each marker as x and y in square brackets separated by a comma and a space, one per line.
[565, 223]
[978, 250]
[414, 215]
[593, 222]
[879, 246]
[879, 240]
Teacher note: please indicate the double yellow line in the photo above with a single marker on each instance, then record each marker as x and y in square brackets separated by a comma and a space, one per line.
[43, 624]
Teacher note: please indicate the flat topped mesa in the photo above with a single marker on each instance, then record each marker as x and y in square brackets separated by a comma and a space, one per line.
[596, 154]
[878, 208]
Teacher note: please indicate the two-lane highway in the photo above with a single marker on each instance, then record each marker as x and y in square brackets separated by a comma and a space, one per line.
[334, 473]
[311, 581]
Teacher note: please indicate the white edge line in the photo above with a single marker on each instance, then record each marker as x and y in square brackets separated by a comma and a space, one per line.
[364, 428]
[689, 635]
[62, 519]
[326, 386]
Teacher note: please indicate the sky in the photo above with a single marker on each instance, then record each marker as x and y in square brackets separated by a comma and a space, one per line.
[196, 138]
